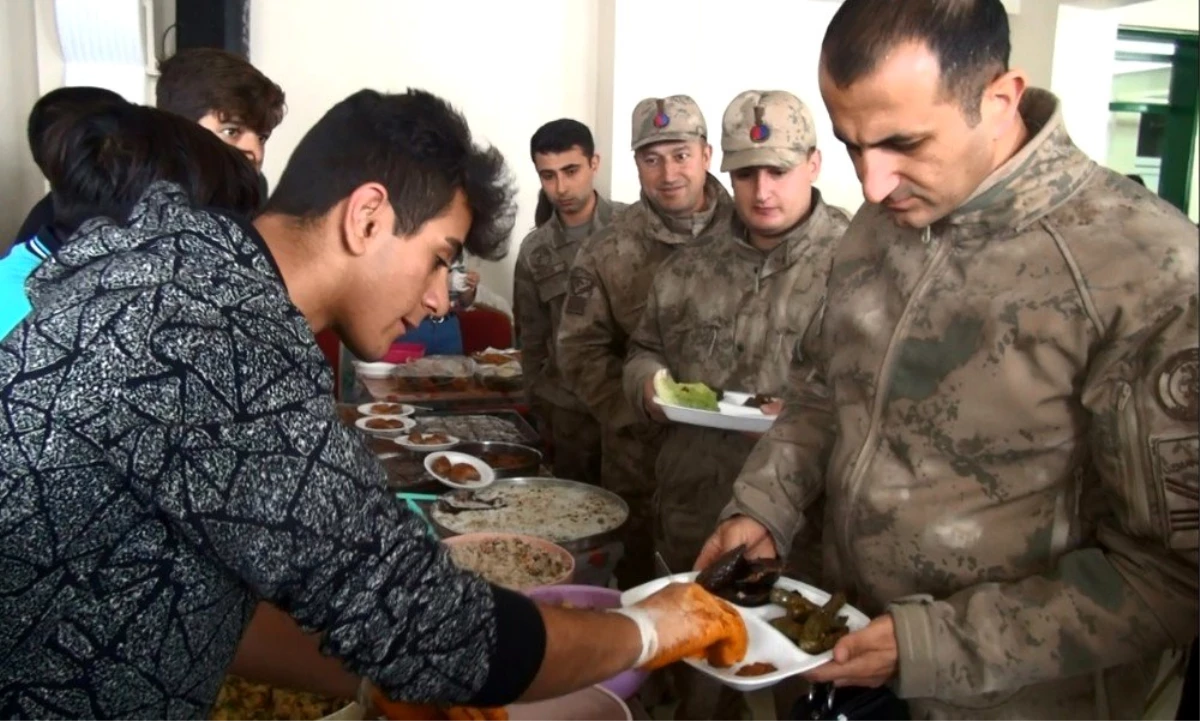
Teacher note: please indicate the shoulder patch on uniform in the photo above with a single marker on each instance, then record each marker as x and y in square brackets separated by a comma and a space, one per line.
[1178, 386]
[583, 284]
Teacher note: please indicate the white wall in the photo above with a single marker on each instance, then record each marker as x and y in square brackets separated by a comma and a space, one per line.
[509, 66]
[712, 51]
[20, 180]
[514, 65]
[1170, 14]
[1082, 71]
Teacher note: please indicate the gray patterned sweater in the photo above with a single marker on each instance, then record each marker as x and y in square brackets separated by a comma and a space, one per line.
[170, 455]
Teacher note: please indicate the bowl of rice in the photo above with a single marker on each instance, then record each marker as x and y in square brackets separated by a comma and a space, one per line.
[512, 560]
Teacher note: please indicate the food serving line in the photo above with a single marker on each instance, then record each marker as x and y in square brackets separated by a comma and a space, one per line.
[478, 479]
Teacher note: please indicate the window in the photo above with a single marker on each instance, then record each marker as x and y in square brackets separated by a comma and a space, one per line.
[1153, 118]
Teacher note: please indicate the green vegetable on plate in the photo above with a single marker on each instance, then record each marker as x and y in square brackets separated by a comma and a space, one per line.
[687, 395]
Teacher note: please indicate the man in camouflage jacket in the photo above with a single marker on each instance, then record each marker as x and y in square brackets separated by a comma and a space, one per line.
[566, 160]
[681, 205]
[1000, 407]
[729, 313]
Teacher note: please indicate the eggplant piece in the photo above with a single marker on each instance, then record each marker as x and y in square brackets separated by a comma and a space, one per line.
[723, 571]
[740, 581]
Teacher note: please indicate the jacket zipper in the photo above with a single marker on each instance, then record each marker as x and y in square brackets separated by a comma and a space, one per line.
[940, 251]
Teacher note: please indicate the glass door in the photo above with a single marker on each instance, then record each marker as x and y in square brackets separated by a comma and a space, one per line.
[1153, 119]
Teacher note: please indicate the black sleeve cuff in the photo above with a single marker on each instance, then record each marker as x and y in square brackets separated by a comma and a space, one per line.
[520, 648]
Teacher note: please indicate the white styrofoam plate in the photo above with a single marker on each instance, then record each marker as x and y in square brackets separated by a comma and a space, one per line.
[402, 440]
[766, 644]
[407, 424]
[386, 408]
[732, 416]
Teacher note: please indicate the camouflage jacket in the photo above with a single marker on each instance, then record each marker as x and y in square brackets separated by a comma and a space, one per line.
[539, 289]
[728, 315]
[1001, 414]
[609, 285]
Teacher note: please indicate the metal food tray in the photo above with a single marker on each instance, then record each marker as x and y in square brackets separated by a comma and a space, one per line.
[406, 468]
[574, 546]
[501, 425]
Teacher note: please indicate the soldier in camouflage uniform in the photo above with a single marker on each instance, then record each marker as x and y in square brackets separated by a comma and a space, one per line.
[681, 205]
[1000, 408]
[730, 312]
[565, 157]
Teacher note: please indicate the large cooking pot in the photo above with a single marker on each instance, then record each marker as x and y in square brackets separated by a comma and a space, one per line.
[551, 525]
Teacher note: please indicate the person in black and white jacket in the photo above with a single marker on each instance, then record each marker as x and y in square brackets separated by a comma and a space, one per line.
[170, 455]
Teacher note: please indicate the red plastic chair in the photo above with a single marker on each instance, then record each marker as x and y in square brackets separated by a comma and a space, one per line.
[484, 327]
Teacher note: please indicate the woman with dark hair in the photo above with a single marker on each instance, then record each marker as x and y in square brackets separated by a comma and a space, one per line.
[100, 156]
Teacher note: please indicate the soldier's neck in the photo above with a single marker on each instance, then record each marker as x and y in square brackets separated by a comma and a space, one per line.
[582, 216]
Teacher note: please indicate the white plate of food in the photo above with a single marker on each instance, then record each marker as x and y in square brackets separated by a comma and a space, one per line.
[426, 441]
[771, 655]
[384, 426]
[386, 408]
[696, 404]
[458, 470]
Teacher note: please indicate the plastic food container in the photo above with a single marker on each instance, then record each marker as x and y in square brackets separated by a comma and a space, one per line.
[506, 378]
[624, 684]
[434, 374]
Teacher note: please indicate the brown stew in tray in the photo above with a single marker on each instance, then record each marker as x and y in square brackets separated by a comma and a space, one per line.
[384, 424]
[506, 461]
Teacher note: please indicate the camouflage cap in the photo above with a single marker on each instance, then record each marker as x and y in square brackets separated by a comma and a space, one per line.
[675, 118]
[771, 128]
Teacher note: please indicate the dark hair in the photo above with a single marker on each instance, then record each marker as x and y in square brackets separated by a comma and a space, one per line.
[416, 146]
[969, 38]
[56, 109]
[1137, 179]
[559, 136]
[197, 81]
[544, 210]
[107, 159]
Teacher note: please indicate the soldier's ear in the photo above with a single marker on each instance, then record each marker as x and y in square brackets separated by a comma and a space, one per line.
[594, 163]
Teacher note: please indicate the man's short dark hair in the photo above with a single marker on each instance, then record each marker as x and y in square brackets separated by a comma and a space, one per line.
[559, 136]
[106, 160]
[56, 110]
[416, 146]
[969, 38]
[197, 81]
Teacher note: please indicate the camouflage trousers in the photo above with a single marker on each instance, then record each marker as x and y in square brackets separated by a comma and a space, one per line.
[576, 437]
[628, 471]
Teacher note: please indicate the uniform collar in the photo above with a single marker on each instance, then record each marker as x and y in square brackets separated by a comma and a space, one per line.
[673, 231]
[817, 226]
[1039, 178]
[601, 216]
